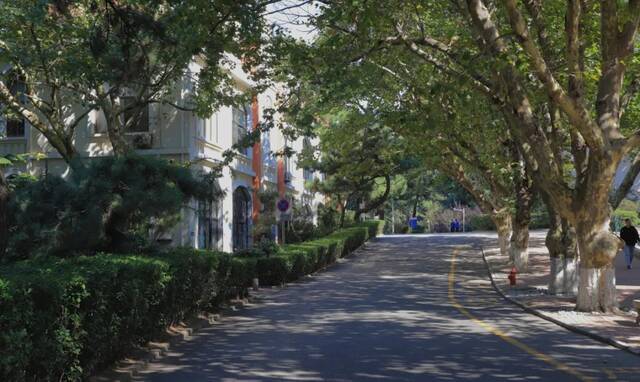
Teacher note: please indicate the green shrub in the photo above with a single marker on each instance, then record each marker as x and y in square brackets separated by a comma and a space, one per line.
[273, 270]
[85, 312]
[418, 229]
[300, 264]
[193, 284]
[242, 272]
[481, 223]
[62, 319]
[234, 275]
[108, 204]
[620, 215]
[539, 220]
[296, 260]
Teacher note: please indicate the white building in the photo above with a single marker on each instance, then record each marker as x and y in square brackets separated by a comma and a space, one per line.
[183, 136]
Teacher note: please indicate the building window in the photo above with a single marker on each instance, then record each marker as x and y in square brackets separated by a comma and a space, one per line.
[308, 174]
[15, 125]
[241, 216]
[288, 175]
[307, 152]
[15, 128]
[242, 123]
[136, 117]
[209, 229]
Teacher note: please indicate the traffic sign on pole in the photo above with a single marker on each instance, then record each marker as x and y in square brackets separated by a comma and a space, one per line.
[283, 205]
[283, 210]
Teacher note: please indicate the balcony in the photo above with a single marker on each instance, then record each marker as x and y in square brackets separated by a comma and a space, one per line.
[242, 163]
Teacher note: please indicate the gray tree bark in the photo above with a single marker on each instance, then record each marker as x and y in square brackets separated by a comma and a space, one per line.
[563, 254]
[519, 248]
[503, 223]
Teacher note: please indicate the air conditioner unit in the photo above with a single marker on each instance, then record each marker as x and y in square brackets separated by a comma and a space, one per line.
[142, 141]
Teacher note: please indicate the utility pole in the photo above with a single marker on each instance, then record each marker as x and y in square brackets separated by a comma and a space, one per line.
[461, 209]
[393, 219]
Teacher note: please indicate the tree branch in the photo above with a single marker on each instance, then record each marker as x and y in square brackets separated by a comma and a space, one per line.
[578, 114]
[617, 196]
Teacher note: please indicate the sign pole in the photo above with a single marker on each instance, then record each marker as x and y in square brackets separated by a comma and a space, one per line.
[393, 218]
[463, 218]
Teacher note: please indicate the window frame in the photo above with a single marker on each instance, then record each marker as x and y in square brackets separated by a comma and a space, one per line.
[240, 130]
[208, 220]
[17, 87]
[22, 128]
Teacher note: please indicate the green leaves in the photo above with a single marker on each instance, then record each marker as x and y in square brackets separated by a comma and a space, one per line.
[112, 204]
[66, 51]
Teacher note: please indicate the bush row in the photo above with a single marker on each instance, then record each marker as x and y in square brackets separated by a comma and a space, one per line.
[292, 261]
[62, 319]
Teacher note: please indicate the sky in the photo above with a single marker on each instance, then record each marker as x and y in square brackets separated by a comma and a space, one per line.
[292, 15]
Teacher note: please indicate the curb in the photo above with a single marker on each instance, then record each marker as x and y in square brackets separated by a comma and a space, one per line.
[536, 312]
[126, 370]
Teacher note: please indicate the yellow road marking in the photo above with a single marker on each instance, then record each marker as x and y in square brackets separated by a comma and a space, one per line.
[610, 374]
[613, 372]
[502, 335]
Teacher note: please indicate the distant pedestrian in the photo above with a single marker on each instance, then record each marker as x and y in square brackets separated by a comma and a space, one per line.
[456, 225]
[453, 226]
[629, 234]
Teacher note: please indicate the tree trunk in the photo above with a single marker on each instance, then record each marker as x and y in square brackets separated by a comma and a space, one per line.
[4, 224]
[555, 247]
[343, 210]
[118, 141]
[502, 222]
[596, 273]
[63, 145]
[115, 129]
[519, 246]
[415, 206]
[597, 245]
[519, 250]
[563, 255]
[570, 263]
[357, 214]
[376, 203]
[556, 261]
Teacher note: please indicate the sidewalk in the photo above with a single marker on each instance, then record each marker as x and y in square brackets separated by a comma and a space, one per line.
[531, 291]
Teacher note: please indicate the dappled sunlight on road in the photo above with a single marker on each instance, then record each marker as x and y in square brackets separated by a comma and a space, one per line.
[383, 314]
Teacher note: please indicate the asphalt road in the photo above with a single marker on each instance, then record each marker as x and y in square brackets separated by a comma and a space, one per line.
[406, 308]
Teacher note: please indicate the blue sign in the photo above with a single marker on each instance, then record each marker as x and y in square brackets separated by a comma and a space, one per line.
[283, 205]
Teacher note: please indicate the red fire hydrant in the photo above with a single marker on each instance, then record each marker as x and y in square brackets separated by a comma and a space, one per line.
[512, 276]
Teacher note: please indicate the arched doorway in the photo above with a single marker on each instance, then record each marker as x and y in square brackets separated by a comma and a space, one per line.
[241, 215]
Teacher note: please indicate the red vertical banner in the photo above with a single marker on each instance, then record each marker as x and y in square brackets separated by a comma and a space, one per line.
[256, 161]
[282, 190]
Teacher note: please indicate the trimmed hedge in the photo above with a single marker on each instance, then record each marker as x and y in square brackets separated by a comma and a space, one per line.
[293, 261]
[296, 260]
[63, 319]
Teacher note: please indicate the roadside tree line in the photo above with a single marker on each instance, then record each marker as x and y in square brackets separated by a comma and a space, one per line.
[513, 99]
